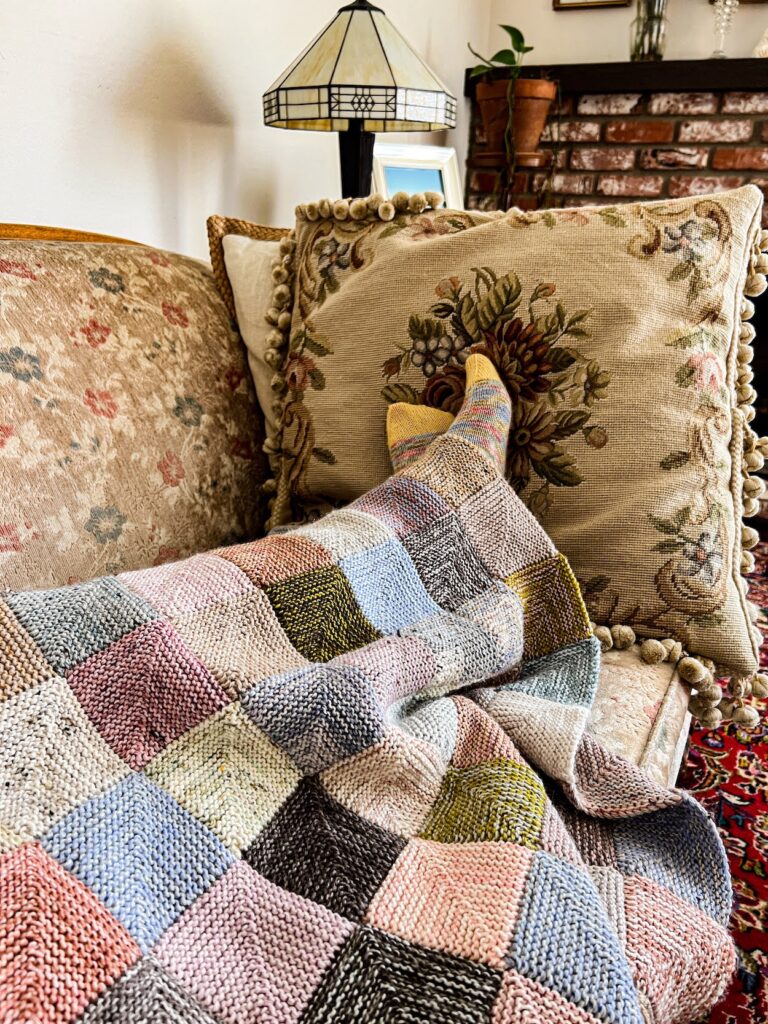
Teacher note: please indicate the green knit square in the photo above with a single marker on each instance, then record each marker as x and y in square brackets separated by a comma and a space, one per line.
[497, 801]
[320, 614]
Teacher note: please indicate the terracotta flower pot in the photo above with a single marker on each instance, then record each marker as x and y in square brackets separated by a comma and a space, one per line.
[533, 98]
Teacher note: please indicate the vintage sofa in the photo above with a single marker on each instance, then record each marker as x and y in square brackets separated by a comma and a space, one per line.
[130, 435]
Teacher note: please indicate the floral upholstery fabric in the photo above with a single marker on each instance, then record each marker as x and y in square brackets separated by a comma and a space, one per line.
[129, 430]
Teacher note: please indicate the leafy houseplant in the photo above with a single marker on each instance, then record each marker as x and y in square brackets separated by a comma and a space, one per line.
[514, 109]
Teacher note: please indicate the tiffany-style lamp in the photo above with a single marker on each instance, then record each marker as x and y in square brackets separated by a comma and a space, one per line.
[358, 77]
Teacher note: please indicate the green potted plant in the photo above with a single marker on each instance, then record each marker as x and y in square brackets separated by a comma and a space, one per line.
[514, 109]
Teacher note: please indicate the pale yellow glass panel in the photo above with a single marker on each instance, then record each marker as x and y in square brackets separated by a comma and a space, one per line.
[362, 60]
[409, 69]
[315, 65]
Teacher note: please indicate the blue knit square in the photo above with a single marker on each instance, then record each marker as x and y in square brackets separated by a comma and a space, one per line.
[568, 676]
[564, 940]
[319, 715]
[145, 857]
[69, 624]
[674, 848]
[387, 587]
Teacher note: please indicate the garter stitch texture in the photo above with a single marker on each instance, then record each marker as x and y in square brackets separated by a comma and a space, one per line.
[340, 775]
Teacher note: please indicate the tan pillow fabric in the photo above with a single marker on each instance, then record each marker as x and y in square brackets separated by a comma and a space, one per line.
[129, 429]
[622, 336]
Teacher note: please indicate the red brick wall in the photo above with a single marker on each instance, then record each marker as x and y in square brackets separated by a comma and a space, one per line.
[623, 146]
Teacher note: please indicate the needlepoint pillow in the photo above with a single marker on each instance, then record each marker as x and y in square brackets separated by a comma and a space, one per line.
[129, 429]
[621, 334]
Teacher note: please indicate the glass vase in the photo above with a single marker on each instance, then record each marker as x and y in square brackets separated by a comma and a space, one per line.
[724, 12]
[649, 30]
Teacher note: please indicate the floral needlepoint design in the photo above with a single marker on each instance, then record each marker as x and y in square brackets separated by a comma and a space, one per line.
[188, 410]
[171, 469]
[6, 433]
[101, 403]
[106, 523]
[9, 538]
[533, 344]
[705, 558]
[107, 279]
[332, 256]
[21, 365]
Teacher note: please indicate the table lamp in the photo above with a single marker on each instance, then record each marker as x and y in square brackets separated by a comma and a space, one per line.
[357, 77]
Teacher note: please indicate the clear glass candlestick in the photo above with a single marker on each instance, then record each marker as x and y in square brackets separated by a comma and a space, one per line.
[724, 13]
[648, 31]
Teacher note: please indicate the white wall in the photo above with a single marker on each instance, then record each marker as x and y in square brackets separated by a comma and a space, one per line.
[603, 35]
[141, 117]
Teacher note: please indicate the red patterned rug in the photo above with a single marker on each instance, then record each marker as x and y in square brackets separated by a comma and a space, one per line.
[727, 771]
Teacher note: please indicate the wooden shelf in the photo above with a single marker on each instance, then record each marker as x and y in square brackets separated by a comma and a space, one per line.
[749, 73]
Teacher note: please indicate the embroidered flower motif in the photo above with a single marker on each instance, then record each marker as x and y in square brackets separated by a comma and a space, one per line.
[171, 469]
[17, 269]
[106, 523]
[107, 279]
[690, 239]
[188, 410]
[530, 439]
[6, 433]
[708, 371]
[332, 256]
[445, 390]
[175, 315]
[101, 403]
[594, 381]
[521, 355]
[429, 227]
[429, 354]
[704, 558]
[159, 259]
[9, 538]
[297, 371]
[95, 333]
[448, 288]
[21, 365]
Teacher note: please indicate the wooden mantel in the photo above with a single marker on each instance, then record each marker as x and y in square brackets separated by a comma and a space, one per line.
[749, 73]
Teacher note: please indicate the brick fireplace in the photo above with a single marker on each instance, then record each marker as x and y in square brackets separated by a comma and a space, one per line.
[641, 132]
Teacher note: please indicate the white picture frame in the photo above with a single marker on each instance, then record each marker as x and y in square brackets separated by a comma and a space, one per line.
[410, 168]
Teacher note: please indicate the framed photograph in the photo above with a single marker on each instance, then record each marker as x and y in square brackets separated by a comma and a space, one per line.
[413, 168]
[581, 5]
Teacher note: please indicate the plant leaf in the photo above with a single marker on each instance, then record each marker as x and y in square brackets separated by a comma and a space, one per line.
[317, 347]
[317, 379]
[561, 358]
[324, 455]
[663, 525]
[595, 585]
[666, 547]
[610, 216]
[570, 421]
[500, 302]
[515, 37]
[684, 376]
[505, 57]
[675, 460]
[399, 393]
[680, 271]
[559, 468]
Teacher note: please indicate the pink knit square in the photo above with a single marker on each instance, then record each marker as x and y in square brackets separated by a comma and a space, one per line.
[669, 942]
[522, 1001]
[460, 898]
[179, 588]
[65, 947]
[556, 839]
[479, 737]
[277, 558]
[250, 951]
[396, 665]
[144, 691]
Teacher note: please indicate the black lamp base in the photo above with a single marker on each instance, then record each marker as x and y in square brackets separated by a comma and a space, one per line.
[356, 156]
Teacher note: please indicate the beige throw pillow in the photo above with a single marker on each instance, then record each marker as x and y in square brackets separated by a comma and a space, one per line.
[622, 336]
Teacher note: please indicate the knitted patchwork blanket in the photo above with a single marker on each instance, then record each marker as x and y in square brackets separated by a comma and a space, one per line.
[342, 775]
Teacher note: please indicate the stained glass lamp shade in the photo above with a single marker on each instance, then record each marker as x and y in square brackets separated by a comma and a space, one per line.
[357, 77]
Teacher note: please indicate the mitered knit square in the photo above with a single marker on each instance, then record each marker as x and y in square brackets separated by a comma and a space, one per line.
[387, 586]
